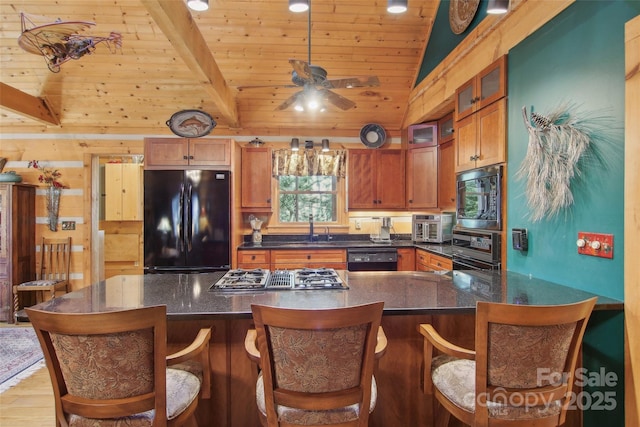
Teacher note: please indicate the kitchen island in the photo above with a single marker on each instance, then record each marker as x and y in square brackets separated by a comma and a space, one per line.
[446, 300]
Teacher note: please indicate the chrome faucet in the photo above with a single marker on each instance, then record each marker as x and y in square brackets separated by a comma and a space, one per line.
[311, 227]
[326, 232]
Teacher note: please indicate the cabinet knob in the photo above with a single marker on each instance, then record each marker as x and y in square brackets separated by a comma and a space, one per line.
[268, 200]
[253, 257]
[308, 256]
[190, 157]
[185, 158]
[410, 200]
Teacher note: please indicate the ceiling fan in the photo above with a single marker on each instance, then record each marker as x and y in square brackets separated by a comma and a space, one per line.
[315, 85]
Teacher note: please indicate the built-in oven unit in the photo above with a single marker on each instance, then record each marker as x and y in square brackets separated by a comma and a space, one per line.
[479, 198]
[372, 259]
[475, 250]
[432, 228]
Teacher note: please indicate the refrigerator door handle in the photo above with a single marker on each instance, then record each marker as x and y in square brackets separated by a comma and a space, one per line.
[189, 233]
[180, 223]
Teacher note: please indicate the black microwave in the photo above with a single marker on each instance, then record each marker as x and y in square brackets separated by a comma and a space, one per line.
[479, 198]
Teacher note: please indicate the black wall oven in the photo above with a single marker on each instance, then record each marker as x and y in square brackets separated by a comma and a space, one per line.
[479, 198]
[475, 250]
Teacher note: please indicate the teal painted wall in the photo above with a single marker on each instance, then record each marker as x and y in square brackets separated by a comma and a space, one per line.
[578, 58]
[443, 40]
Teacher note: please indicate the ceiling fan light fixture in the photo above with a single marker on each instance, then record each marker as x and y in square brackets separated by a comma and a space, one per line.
[397, 6]
[298, 6]
[325, 145]
[496, 7]
[198, 5]
[295, 144]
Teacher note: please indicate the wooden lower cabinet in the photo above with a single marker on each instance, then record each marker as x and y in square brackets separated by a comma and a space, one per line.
[427, 261]
[406, 259]
[398, 374]
[293, 259]
[254, 259]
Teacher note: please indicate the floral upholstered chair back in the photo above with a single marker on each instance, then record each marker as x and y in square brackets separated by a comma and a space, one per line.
[317, 361]
[109, 366]
[317, 365]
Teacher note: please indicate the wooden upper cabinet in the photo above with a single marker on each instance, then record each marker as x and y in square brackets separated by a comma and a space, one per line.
[256, 179]
[483, 89]
[187, 152]
[376, 179]
[445, 129]
[446, 175]
[422, 178]
[123, 190]
[422, 135]
[481, 138]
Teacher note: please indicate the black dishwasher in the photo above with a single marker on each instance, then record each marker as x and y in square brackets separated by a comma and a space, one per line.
[372, 259]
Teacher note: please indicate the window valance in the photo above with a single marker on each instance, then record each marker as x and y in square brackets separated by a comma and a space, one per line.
[309, 163]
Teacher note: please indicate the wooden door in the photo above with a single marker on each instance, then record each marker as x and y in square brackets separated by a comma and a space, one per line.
[209, 152]
[465, 147]
[406, 259]
[166, 152]
[362, 179]
[446, 176]
[256, 178]
[390, 179]
[132, 192]
[422, 178]
[491, 134]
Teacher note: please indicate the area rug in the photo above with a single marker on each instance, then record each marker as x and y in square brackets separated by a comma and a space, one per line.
[20, 355]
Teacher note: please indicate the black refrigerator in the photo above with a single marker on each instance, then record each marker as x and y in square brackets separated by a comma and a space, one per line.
[186, 221]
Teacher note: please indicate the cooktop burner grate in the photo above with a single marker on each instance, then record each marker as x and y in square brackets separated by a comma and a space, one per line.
[262, 279]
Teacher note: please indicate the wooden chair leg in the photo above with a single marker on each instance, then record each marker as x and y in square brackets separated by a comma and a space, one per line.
[442, 416]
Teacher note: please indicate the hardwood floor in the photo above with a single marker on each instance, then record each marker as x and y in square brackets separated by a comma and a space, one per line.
[29, 403]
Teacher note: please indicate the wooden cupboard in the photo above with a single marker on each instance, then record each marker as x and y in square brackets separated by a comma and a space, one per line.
[481, 138]
[445, 129]
[447, 175]
[161, 153]
[376, 179]
[17, 242]
[428, 261]
[123, 190]
[256, 179]
[422, 178]
[316, 258]
[483, 89]
[406, 259]
[422, 135]
[254, 258]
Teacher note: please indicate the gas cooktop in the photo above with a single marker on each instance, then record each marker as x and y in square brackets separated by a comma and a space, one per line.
[262, 279]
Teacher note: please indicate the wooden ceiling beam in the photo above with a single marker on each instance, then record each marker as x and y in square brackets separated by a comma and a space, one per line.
[176, 22]
[27, 105]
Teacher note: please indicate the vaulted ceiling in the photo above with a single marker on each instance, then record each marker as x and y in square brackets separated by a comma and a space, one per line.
[174, 59]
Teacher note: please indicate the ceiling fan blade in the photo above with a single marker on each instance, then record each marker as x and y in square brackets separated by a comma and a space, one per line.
[347, 83]
[301, 68]
[337, 100]
[241, 88]
[289, 101]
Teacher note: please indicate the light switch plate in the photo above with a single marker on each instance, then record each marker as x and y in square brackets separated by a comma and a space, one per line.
[605, 242]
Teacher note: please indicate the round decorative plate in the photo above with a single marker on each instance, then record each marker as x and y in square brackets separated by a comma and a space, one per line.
[373, 135]
[191, 123]
[461, 13]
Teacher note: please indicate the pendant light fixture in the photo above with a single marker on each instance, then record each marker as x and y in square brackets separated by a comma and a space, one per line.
[298, 5]
[198, 5]
[295, 144]
[325, 145]
[496, 7]
[397, 6]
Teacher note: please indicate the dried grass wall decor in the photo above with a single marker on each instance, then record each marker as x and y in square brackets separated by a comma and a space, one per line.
[559, 143]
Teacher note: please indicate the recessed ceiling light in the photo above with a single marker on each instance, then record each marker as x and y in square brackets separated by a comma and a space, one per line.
[397, 6]
[298, 5]
[198, 5]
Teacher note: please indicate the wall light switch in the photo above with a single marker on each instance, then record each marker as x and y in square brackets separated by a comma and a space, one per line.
[595, 244]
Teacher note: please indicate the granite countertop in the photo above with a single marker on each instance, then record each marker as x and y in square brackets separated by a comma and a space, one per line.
[439, 248]
[187, 296]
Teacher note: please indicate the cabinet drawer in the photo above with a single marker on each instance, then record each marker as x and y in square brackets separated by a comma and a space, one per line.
[254, 257]
[440, 263]
[323, 257]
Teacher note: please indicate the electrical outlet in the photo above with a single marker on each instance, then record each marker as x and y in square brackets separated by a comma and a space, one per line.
[358, 224]
[68, 225]
[595, 244]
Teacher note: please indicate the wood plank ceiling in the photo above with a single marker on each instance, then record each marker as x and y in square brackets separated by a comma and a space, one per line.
[173, 59]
